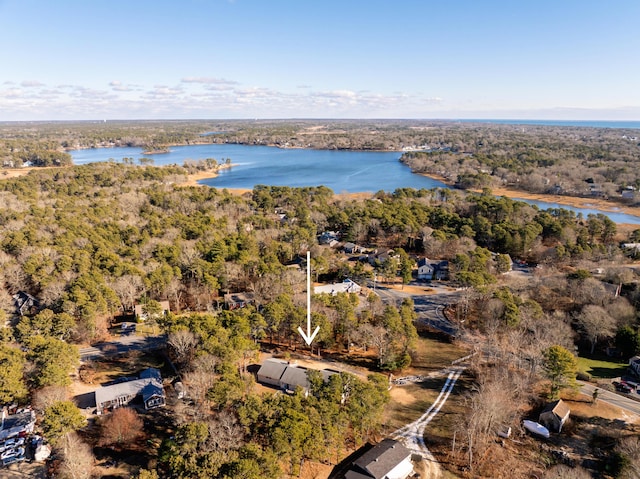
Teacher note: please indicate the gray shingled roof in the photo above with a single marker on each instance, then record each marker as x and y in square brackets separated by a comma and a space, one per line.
[273, 369]
[295, 376]
[382, 458]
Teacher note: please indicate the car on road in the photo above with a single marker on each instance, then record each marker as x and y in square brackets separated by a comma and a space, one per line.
[622, 387]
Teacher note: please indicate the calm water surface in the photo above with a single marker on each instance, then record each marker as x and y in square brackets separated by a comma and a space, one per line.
[342, 171]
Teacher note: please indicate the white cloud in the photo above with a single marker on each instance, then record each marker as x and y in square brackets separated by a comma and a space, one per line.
[31, 84]
[209, 81]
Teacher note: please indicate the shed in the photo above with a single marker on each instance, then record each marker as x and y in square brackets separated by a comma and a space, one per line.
[555, 415]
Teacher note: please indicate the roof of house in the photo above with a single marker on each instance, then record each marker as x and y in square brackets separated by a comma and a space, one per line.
[20, 420]
[423, 262]
[151, 373]
[635, 359]
[149, 385]
[295, 376]
[242, 297]
[559, 408]
[273, 368]
[382, 458]
[128, 388]
[151, 389]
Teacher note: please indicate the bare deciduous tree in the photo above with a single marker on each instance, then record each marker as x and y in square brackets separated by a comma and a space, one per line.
[596, 323]
[182, 343]
[77, 458]
[224, 432]
[49, 395]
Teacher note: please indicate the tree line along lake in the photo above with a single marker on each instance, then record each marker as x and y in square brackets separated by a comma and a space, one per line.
[344, 171]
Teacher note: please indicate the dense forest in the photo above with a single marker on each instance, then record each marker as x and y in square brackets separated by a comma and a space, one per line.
[87, 243]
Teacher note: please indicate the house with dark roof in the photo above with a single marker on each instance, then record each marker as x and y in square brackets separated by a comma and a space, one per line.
[555, 415]
[387, 460]
[429, 270]
[238, 300]
[149, 387]
[25, 303]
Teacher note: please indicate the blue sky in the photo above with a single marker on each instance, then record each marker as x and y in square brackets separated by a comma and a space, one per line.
[161, 59]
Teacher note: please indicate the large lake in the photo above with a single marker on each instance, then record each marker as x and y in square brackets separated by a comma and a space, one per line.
[342, 171]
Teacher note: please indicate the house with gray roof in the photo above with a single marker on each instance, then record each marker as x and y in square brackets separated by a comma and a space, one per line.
[149, 387]
[286, 376]
[387, 460]
[271, 371]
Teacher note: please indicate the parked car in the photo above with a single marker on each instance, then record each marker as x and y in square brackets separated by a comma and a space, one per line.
[14, 452]
[623, 388]
[13, 442]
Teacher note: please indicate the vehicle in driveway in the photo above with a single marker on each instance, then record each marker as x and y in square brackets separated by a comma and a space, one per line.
[13, 442]
[16, 452]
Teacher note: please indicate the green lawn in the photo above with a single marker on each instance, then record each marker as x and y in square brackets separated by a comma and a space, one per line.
[602, 368]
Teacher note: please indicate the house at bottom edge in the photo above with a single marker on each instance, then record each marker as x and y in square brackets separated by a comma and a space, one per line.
[387, 460]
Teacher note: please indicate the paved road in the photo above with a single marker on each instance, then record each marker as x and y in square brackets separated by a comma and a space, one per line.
[122, 345]
[618, 400]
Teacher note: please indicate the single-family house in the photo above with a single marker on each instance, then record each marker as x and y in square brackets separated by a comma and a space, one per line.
[238, 300]
[15, 424]
[555, 415]
[379, 257]
[141, 312]
[25, 303]
[287, 376]
[329, 237]
[428, 270]
[425, 269]
[387, 460]
[351, 248]
[634, 365]
[347, 286]
[149, 387]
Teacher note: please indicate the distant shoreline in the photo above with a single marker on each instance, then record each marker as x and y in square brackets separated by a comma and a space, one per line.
[193, 179]
[573, 201]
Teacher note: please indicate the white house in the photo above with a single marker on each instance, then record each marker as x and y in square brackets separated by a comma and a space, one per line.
[425, 269]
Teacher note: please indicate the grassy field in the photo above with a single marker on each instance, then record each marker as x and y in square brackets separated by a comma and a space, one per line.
[602, 368]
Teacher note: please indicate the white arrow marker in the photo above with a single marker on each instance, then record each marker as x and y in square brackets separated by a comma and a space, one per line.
[308, 336]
